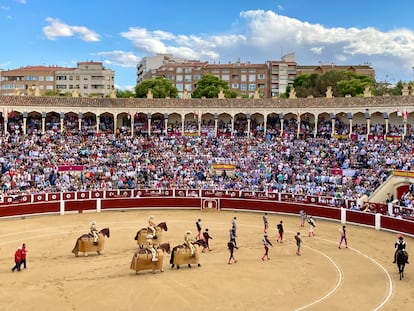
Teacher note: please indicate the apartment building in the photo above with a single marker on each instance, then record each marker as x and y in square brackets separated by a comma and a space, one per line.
[324, 68]
[269, 79]
[148, 63]
[281, 74]
[89, 78]
[243, 78]
[24, 80]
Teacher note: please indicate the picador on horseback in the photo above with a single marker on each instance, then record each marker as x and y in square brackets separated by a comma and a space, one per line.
[94, 232]
[400, 246]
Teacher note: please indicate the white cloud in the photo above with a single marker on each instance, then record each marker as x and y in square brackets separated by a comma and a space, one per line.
[57, 29]
[317, 50]
[120, 58]
[265, 35]
[21, 1]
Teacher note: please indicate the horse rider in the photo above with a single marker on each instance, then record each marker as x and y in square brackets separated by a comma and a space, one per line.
[400, 245]
[188, 242]
[94, 232]
[151, 248]
[151, 226]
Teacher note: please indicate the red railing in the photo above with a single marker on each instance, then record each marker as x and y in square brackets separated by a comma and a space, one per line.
[321, 207]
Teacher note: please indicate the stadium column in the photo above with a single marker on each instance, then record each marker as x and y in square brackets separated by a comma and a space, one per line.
[315, 130]
[43, 121]
[182, 125]
[232, 125]
[62, 117]
[368, 118]
[24, 123]
[149, 116]
[165, 124]
[264, 125]
[199, 123]
[98, 119]
[248, 116]
[131, 120]
[215, 124]
[5, 113]
[386, 118]
[332, 115]
[80, 121]
[298, 130]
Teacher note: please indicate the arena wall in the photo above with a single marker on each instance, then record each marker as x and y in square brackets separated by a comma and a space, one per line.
[70, 202]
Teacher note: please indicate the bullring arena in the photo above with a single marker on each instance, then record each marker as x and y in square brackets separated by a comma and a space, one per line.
[50, 214]
[361, 277]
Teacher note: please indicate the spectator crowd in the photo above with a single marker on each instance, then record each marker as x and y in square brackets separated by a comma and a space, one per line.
[33, 163]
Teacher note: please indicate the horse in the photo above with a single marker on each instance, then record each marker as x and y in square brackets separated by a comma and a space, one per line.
[402, 258]
[85, 243]
[141, 236]
[181, 254]
[142, 259]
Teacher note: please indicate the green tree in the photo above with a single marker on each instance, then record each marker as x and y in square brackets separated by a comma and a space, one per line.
[209, 86]
[342, 83]
[124, 93]
[52, 93]
[161, 87]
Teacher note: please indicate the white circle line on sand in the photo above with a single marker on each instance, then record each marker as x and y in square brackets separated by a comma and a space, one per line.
[388, 276]
[338, 283]
[388, 296]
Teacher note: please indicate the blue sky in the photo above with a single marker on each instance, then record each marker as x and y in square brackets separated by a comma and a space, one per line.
[119, 33]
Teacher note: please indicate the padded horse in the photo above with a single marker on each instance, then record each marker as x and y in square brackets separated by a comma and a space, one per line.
[141, 236]
[142, 259]
[402, 258]
[85, 245]
[181, 254]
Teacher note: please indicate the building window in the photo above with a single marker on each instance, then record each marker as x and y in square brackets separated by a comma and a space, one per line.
[252, 78]
[252, 87]
[243, 87]
[234, 77]
[243, 78]
[187, 70]
[30, 78]
[261, 86]
[188, 87]
[234, 85]
[49, 78]
[49, 87]
[179, 86]
[225, 70]
[85, 86]
[60, 78]
[197, 77]
[41, 78]
[179, 70]
[179, 78]
[170, 77]
[187, 78]
[252, 70]
[261, 76]
[225, 78]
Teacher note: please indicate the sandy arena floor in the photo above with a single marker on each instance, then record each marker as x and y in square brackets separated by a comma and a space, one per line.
[361, 277]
